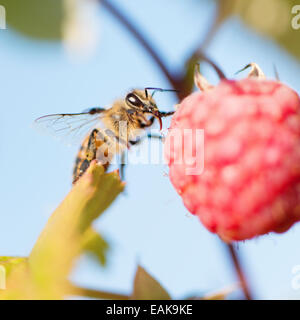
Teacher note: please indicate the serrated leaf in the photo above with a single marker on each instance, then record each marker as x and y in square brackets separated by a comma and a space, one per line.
[147, 288]
[94, 244]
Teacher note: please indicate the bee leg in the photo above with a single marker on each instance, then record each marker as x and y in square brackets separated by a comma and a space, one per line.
[91, 150]
[166, 114]
[154, 136]
[86, 156]
[122, 167]
[148, 123]
[140, 140]
[123, 162]
[123, 158]
[135, 142]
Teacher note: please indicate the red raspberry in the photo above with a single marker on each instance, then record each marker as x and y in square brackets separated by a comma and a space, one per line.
[251, 179]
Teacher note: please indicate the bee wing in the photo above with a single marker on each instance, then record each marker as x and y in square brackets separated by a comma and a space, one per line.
[70, 127]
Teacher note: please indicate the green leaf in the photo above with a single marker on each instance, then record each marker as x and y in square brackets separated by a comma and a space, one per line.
[93, 243]
[60, 243]
[35, 18]
[147, 288]
[271, 18]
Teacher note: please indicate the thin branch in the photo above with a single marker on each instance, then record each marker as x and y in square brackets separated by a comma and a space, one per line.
[142, 40]
[223, 10]
[239, 271]
[96, 294]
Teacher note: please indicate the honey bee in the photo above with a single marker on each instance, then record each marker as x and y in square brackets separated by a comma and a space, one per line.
[108, 132]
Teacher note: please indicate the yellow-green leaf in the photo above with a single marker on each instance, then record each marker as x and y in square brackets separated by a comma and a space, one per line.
[35, 18]
[60, 243]
[9, 263]
[94, 244]
[147, 288]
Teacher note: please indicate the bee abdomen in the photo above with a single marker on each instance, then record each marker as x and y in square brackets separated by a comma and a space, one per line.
[81, 163]
[87, 153]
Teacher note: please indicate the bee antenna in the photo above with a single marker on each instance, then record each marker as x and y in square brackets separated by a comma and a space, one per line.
[158, 90]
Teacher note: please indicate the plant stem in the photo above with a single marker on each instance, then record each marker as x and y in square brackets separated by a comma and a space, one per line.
[142, 40]
[237, 265]
[96, 294]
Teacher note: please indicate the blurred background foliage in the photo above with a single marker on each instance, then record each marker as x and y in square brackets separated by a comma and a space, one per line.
[69, 21]
[271, 18]
[46, 20]
[42, 20]
[66, 21]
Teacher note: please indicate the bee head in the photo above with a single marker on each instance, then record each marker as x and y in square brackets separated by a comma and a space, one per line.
[140, 101]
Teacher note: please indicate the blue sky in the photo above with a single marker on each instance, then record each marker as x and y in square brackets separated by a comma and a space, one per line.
[38, 78]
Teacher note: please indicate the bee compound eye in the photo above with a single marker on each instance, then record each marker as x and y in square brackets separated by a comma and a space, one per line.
[133, 100]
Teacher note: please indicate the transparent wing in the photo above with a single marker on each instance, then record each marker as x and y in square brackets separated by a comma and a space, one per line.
[70, 127]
